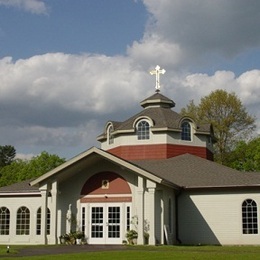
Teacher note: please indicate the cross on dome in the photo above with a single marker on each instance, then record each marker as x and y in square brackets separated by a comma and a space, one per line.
[157, 71]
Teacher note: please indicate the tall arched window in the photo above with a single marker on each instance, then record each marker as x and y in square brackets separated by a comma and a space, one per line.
[143, 130]
[38, 221]
[109, 134]
[23, 221]
[249, 217]
[186, 131]
[4, 221]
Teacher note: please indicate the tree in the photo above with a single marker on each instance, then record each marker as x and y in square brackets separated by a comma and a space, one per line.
[7, 154]
[20, 170]
[229, 118]
[246, 155]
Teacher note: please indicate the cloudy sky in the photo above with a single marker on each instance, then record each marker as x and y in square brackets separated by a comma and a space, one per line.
[68, 66]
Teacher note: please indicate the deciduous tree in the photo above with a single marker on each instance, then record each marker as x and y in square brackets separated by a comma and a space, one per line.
[229, 118]
[20, 170]
[246, 156]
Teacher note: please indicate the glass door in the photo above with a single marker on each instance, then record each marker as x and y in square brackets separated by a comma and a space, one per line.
[105, 224]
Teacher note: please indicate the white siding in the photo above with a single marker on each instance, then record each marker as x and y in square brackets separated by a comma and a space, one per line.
[155, 138]
[215, 218]
[13, 204]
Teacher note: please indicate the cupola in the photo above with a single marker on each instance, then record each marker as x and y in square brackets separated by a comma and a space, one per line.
[157, 132]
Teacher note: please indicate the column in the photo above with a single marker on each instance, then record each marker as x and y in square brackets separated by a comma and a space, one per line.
[140, 210]
[151, 211]
[54, 192]
[44, 197]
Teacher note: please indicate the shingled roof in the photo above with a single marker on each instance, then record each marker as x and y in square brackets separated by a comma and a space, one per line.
[19, 188]
[162, 117]
[158, 109]
[189, 171]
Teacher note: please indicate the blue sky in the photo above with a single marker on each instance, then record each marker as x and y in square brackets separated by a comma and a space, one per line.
[68, 66]
[104, 27]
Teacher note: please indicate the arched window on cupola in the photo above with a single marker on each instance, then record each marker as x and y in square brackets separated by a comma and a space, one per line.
[186, 131]
[143, 130]
[110, 136]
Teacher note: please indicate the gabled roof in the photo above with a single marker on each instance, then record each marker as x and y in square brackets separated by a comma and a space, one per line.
[185, 171]
[89, 157]
[189, 171]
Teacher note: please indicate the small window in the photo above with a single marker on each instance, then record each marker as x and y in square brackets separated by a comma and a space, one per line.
[110, 135]
[38, 221]
[185, 131]
[249, 217]
[4, 221]
[23, 221]
[143, 130]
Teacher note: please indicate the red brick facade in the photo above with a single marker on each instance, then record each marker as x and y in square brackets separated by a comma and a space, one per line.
[159, 151]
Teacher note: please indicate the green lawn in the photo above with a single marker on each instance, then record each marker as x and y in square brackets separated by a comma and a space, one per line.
[154, 253]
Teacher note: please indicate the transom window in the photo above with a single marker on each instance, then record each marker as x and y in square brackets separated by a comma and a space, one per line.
[38, 221]
[4, 221]
[249, 217]
[143, 130]
[186, 131]
[23, 221]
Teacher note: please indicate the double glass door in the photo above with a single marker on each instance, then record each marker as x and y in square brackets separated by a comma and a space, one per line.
[107, 223]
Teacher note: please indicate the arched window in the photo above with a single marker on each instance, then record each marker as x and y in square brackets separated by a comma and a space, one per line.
[186, 131]
[109, 134]
[143, 130]
[249, 217]
[4, 221]
[23, 221]
[38, 221]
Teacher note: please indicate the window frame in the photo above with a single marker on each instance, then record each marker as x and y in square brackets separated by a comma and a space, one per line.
[23, 221]
[39, 219]
[249, 217]
[4, 221]
[110, 136]
[186, 131]
[143, 130]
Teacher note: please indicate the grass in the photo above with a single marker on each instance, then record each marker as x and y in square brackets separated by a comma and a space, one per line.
[151, 253]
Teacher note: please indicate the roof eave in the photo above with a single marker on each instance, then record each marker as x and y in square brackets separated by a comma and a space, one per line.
[220, 187]
[105, 155]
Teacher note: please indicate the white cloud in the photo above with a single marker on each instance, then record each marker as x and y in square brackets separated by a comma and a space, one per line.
[49, 88]
[201, 26]
[246, 87]
[24, 156]
[32, 6]
[153, 49]
[60, 102]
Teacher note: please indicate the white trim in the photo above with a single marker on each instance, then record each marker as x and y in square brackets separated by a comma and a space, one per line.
[19, 194]
[101, 153]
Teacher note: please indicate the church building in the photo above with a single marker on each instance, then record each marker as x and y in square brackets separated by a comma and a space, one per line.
[154, 173]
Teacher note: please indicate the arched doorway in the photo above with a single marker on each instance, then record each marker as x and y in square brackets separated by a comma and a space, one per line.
[105, 208]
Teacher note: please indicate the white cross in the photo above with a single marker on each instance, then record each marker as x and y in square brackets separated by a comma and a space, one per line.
[157, 72]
